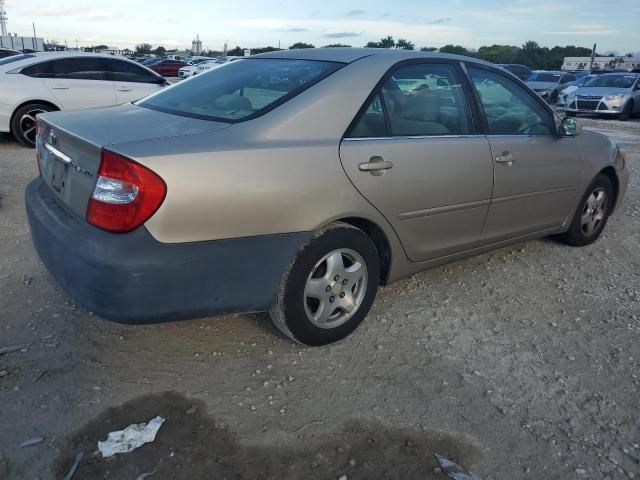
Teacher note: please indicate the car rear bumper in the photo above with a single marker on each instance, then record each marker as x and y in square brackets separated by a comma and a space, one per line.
[133, 278]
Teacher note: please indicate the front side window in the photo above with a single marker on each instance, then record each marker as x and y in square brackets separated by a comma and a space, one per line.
[509, 108]
[240, 90]
[426, 99]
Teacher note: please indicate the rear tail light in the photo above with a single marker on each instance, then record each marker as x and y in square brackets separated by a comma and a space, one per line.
[126, 194]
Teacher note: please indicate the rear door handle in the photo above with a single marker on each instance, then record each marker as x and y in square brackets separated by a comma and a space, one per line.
[59, 87]
[507, 158]
[124, 89]
[376, 166]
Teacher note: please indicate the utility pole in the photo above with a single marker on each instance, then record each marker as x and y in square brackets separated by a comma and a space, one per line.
[3, 20]
[593, 55]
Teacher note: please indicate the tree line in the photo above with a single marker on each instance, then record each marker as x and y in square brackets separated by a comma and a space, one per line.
[530, 53]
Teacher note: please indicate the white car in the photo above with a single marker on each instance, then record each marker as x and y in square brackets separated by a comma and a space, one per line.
[211, 64]
[573, 86]
[41, 82]
[190, 70]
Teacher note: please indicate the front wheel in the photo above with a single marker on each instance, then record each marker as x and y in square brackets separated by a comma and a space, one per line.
[23, 123]
[329, 288]
[592, 214]
[626, 111]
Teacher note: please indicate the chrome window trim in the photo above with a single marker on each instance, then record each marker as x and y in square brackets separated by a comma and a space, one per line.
[411, 137]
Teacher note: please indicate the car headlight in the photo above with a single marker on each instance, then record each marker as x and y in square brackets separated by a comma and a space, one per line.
[615, 96]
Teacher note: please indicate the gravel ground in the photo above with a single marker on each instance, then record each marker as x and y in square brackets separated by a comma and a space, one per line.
[519, 364]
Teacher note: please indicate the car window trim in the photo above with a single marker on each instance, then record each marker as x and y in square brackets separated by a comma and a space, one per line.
[479, 105]
[377, 90]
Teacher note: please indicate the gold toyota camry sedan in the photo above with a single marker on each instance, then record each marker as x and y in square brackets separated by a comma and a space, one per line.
[298, 182]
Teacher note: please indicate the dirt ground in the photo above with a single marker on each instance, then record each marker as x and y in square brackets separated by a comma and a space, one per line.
[519, 364]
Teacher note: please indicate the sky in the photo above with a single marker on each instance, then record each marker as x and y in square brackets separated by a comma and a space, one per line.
[614, 26]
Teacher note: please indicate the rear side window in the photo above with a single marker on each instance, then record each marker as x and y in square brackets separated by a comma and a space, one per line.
[122, 71]
[240, 90]
[76, 68]
[418, 100]
[509, 108]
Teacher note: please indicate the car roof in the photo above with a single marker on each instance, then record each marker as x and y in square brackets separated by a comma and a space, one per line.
[349, 54]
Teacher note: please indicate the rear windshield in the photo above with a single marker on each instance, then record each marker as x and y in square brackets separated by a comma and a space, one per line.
[545, 77]
[612, 81]
[240, 90]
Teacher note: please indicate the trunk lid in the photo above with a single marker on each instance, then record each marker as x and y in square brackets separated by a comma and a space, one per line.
[69, 144]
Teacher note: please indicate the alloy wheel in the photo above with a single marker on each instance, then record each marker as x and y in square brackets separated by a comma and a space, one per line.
[594, 211]
[335, 288]
[28, 124]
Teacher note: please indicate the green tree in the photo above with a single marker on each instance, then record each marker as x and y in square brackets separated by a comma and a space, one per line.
[143, 49]
[498, 53]
[160, 51]
[236, 52]
[300, 45]
[255, 51]
[387, 42]
[336, 45]
[373, 45]
[428, 49]
[403, 44]
[456, 50]
[99, 47]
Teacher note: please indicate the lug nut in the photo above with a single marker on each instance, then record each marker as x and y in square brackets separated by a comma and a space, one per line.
[342, 295]
[328, 288]
[331, 299]
[336, 278]
[344, 282]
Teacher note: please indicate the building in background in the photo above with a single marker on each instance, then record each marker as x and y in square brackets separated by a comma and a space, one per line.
[196, 46]
[601, 63]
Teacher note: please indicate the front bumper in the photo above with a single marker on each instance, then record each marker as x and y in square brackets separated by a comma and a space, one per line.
[597, 106]
[133, 278]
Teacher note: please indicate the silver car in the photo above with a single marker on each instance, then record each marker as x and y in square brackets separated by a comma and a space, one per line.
[611, 94]
[548, 84]
[300, 181]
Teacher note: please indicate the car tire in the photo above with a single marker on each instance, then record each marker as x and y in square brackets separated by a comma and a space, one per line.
[329, 287]
[626, 112]
[592, 213]
[23, 126]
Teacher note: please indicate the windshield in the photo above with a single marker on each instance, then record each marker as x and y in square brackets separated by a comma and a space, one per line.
[544, 77]
[612, 81]
[240, 90]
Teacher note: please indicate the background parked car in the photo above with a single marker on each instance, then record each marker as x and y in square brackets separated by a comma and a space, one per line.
[521, 71]
[190, 69]
[42, 82]
[616, 94]
[548, 84]
[167, 67]
[8, 52]
[570, 88]
[211, 64]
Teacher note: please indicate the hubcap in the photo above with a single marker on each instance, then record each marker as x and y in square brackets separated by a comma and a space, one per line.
[594, 211]
[28, 124]
[335, 288]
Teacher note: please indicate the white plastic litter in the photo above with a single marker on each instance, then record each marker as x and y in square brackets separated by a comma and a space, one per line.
[132, 437]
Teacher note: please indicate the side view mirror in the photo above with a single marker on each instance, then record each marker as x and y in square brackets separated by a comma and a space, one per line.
[570, 127]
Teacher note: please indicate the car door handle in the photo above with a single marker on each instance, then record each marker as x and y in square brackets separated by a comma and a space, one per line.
[507, 158]
[124, 89]
[376, 166]
[59, 87]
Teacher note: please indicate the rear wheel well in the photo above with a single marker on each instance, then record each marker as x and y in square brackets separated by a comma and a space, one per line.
[379, 239]
[29, 102]
[611, 173]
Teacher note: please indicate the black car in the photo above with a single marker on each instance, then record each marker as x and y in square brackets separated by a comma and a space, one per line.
[521, 71]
